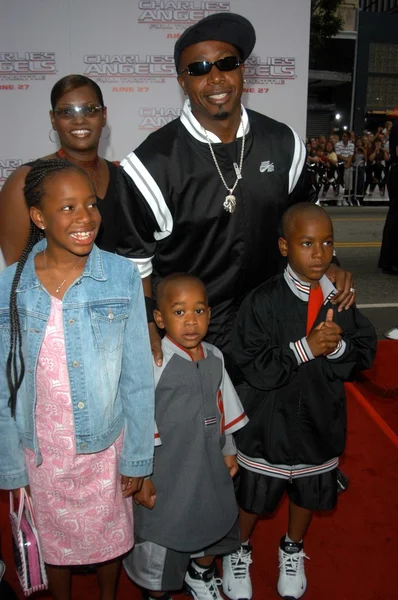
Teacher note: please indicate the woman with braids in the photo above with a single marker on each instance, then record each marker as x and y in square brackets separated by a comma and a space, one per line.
[76, 382]
[78, 116]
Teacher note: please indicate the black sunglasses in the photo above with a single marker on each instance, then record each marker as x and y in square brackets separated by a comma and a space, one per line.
[229, 63]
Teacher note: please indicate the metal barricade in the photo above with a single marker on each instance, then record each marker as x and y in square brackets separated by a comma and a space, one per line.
[354, 184]
[359, 182]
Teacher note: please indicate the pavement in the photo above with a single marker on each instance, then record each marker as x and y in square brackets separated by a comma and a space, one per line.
[358, 234]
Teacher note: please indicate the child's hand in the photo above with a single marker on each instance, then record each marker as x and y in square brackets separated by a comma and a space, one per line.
[131, 485]
[146, 496]
[326, 336]
[231, 464]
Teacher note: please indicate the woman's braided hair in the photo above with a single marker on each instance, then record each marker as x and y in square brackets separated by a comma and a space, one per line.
[33, 192]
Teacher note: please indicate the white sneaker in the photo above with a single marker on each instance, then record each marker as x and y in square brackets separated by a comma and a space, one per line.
[236, 583]
[202, 585]
[392, 334]
[292, 581]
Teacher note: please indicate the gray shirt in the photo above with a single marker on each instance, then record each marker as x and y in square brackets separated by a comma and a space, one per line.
[197, 410]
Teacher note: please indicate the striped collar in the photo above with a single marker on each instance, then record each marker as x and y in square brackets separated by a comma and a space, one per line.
[198, 132]
[301, 289]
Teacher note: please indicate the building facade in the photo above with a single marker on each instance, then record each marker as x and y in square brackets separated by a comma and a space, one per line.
[355, 76]
[376, 81]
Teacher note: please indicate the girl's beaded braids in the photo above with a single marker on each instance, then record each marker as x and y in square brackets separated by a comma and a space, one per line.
[33, 192]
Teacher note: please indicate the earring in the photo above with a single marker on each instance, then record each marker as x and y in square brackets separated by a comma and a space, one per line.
[105, 137]
[49, 135]
[245, 80]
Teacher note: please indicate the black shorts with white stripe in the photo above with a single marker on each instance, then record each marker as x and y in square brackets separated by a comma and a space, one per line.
[261, 494]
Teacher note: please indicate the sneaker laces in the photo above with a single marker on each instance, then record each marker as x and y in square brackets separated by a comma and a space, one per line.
[212, 587]
[291, 563]
[240, 562]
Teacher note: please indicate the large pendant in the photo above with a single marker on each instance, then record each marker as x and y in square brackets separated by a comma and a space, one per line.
[230, 203]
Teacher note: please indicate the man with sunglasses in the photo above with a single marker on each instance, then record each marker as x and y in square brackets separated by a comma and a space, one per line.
[205, 193]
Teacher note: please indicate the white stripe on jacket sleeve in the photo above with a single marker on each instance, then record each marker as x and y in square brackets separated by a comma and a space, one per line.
[298, 161]
[151, 192]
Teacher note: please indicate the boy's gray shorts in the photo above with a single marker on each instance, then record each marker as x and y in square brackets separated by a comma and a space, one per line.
[157, 568]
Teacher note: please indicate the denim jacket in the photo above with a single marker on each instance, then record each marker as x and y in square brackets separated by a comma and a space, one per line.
[108, 357]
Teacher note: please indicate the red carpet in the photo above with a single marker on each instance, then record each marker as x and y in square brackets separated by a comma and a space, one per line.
[379, 386]
[353, 552]
[386, 407]
[382, 378]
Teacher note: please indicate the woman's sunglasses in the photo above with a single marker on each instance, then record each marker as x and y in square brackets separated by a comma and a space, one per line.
[69, 112]
[229, 63]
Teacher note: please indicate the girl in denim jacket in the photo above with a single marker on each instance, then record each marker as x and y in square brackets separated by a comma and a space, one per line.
[76, 391]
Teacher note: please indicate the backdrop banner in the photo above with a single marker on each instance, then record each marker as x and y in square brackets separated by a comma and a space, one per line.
[127, 46]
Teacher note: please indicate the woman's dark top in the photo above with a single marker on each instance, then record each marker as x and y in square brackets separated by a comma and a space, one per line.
[107, 235]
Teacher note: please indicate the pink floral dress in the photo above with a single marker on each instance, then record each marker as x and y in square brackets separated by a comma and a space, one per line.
[81, 515]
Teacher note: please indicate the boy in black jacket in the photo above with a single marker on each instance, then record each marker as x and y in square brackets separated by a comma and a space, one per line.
[295, 351]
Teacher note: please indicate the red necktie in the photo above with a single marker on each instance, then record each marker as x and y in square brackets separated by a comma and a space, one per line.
[315, 302]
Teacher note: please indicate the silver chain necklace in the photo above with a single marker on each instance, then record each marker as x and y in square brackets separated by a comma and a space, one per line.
[57, 290]
[230, 200]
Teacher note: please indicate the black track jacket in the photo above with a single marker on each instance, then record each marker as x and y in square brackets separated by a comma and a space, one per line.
[296, 410]
[172, 216]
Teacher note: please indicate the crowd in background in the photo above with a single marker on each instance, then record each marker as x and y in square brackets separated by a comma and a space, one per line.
[356, 163]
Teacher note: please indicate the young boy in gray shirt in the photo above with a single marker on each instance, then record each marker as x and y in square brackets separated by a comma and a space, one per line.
[192, 514]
